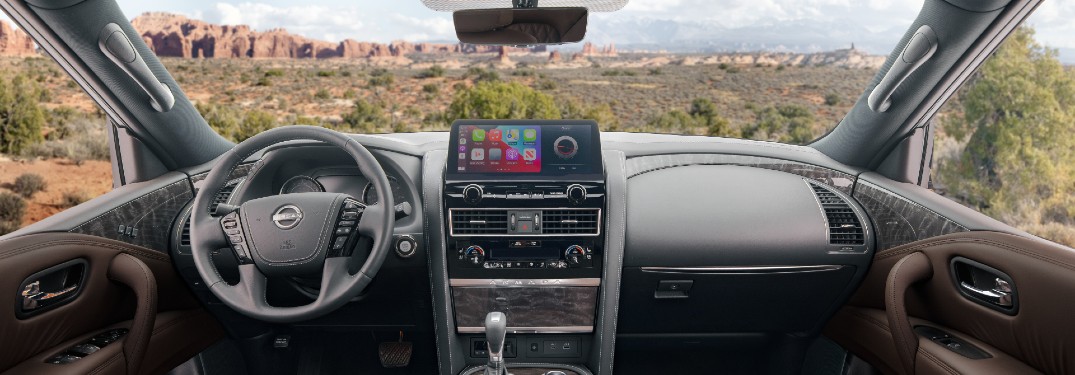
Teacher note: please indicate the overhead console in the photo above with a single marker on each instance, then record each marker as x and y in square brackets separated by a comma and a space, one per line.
[523, 205]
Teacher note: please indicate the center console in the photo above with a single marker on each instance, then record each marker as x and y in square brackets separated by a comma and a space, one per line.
[524, 207]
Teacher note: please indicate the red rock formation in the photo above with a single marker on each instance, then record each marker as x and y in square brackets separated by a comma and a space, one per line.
[502, 56]
[554, 57]
[14, 42]
[177, 36]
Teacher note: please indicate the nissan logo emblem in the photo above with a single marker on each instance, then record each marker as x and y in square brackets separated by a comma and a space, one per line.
[287, 217]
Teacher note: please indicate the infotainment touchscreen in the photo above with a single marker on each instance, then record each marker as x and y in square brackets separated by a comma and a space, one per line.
[520, 147]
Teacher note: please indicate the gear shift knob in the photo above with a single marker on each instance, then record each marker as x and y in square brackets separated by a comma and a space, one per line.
[496, 328]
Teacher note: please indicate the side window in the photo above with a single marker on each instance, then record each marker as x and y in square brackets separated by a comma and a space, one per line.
[53, 139]
[1005, 145]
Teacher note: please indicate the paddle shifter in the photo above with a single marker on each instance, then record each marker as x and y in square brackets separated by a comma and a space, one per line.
[496, 327]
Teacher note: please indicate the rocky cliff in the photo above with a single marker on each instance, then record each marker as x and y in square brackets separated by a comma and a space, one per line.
[14, 42]
[178, 36]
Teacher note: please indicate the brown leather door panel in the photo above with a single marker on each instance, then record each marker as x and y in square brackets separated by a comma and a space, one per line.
[1038, 338]
[120, 279]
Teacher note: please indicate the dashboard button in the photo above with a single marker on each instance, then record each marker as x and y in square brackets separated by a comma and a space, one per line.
[343, 231]
[349, 215]
[347, 223]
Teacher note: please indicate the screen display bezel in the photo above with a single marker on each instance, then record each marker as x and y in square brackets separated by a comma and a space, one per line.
[594, 155]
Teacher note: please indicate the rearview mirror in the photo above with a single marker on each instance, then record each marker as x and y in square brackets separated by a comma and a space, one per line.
[521, 26]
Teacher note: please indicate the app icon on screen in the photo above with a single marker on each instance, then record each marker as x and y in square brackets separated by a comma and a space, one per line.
[462, 155]
[529, 134]
[462, 148]
[462, 140]
[478, 135]
[511, 154]
[494, 153]
[529, 154]
[512, 135]
[477, 154]
[494, 135]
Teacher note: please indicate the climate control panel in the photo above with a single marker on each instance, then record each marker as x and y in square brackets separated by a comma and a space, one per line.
[493, 255]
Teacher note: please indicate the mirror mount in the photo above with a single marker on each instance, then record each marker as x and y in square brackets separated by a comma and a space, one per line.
[523, 4]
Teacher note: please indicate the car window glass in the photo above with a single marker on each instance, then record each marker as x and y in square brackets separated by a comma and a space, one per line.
[1004, 144]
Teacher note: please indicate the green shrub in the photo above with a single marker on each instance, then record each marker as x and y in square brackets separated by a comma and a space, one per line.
[547, 84]
[524, 73]
[365, 117]
[350, 94]
[618, 72]
[8, 227]
[322, 94]
[502, 100]
[656, 72]
[83, 138]
[28, 183]
[433, 72]
[263, 81]
[73, 198]
[832, 99]
[326, 73]
[381, 78]
[430, 88]
[789, 123]
[21, 115]
[12, 207]
[274, 73]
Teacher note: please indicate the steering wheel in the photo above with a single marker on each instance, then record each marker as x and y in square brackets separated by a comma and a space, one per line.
[292, 234]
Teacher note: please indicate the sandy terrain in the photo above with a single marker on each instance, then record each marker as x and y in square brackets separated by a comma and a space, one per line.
[92, 178]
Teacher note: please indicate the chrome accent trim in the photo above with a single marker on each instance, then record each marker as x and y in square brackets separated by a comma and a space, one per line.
[522, 283]
[564, 329]
[451, 223]
[743, 269]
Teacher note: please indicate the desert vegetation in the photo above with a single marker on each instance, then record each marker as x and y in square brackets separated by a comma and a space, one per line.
[1003, 143]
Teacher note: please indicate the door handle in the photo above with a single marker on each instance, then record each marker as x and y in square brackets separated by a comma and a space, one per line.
[1001, 295]
[985, 285]
[50, 288]
[33, 297]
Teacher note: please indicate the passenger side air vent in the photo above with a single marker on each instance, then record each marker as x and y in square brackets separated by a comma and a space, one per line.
[477, 222]
[577, 221]
[844, 225]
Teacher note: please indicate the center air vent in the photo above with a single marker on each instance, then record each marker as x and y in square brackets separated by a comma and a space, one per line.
[479, 222]
[845, 228]
[571, 221]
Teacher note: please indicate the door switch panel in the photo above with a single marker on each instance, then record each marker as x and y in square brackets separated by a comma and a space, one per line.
[952, 343]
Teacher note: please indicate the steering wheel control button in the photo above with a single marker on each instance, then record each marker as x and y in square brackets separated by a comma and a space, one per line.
[406, 246]
[349, 215]
[240, 252]
[349, 223]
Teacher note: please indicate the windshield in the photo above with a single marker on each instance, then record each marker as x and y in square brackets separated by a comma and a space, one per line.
[782, 71]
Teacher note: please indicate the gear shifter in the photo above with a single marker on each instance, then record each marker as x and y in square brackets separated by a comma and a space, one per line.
[496, 327]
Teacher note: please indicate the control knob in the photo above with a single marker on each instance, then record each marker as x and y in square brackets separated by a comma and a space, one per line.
[575, 255]
[576, 194]
[474, 254]
[472, 194]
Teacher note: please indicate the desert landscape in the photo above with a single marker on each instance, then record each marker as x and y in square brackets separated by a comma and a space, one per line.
[244, 81]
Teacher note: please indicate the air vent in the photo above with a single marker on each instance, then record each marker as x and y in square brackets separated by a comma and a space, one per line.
[571, 222]
[477, 222]
[224, 195]
[184, 236]
[844, 225]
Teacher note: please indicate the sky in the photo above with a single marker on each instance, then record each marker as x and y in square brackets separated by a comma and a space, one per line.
[878, 23]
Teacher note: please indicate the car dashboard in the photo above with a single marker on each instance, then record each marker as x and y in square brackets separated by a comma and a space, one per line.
[671, 241]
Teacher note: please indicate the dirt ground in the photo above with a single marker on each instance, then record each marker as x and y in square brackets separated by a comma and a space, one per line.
[92, 178]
